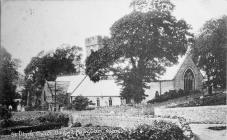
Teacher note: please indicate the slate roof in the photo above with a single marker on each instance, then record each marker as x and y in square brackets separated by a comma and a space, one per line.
[101, 88]
[82, 85]
[61, 87]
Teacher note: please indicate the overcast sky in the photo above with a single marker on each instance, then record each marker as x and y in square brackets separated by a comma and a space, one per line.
[27, 27]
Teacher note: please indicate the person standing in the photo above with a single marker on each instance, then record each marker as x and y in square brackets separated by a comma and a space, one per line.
[10, 107]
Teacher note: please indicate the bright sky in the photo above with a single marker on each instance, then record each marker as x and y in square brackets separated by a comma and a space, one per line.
[27, 27]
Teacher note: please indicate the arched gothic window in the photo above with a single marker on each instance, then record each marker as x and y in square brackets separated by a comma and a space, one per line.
[189, 80]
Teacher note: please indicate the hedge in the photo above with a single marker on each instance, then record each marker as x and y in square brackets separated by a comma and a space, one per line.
[171, 94]
[158, 131]
[46, 121]
[26, 129]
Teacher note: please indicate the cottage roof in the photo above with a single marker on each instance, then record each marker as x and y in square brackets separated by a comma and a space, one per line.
[73, 81]
[61, 87]
[82, 85]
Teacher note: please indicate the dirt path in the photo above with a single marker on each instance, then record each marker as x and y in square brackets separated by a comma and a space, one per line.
[202, 133]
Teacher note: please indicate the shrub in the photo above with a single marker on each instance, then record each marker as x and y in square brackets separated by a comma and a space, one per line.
[4, 113]
[217, 128]
[78, 133]
[42, 121]
[69, 106]
[215, 99]
[81, 103]
[76, 124]
[6, 123]
[158, 131]
[53, 117]
[26, 129]
[88, 125]
[171, 94]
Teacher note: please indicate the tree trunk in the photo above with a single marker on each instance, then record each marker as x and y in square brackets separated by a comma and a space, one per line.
[209, 86]
[209, 89]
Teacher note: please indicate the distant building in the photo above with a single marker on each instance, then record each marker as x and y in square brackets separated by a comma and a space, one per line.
[93, 43]
[54, 89]
[103, 93]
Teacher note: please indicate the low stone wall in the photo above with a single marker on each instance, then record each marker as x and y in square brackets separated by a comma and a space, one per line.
[118, 121]
[126, 122]
[201, 114]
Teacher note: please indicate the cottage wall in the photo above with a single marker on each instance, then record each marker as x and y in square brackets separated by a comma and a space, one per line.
[160, 86]
[154, 86]
[179, 78]
[104, 101]
[166, 86]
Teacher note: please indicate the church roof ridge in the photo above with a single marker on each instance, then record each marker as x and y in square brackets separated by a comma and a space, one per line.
[172, 71]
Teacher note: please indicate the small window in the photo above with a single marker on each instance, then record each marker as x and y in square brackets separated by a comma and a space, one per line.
[122, 101]
[110, 101]
[44, 96]
[98, 102]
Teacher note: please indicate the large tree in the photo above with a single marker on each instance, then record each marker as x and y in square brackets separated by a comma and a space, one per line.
[140, 46]
[8, 76]
[152, 5]
[64, 60]
[210, 52]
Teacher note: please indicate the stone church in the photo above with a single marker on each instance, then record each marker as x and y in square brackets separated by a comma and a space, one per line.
[184, 75]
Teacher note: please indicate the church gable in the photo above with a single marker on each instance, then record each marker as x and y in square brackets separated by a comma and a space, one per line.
[184, 75]
[188, 77]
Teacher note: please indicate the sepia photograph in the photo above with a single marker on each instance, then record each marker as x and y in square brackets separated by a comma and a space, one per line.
[113, 69]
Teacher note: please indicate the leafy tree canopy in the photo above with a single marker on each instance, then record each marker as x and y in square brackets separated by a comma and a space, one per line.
[210, 51]
[140, 46]
[81, 103]
[8, 76]
[152, 5]
[65, 60]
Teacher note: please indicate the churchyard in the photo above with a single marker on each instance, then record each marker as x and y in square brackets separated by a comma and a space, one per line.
[153, 77]
[121, 122]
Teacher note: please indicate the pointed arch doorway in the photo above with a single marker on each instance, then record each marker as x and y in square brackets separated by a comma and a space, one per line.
[189, 80]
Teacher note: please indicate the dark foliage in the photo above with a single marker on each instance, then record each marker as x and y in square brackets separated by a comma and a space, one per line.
[88, 125]
[157, 131]
[210, 100]
[209, 52]
[8, 76]
[140, 47]
[46, 121]
[81, 103]
[58, 118]
[217, 128]
[4, 113]
[154, 5]
[76, 124]
[6, 123]
[171, 94]
[48, 66]
[27, 129]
